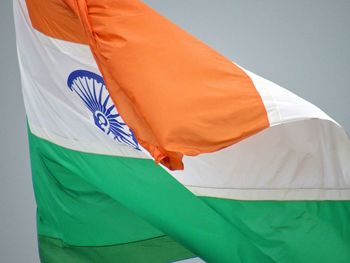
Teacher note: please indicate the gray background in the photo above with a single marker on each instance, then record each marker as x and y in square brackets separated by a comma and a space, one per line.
[303, 45]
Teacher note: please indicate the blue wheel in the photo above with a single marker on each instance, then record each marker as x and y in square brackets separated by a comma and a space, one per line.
[91, 89]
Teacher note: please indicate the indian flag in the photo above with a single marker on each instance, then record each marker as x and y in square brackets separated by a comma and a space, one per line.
[149, 146]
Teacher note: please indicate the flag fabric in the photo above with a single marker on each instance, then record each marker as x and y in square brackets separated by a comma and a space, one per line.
[147, 145]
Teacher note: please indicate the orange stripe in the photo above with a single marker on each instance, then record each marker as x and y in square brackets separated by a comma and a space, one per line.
[56, 19]
[177, 94]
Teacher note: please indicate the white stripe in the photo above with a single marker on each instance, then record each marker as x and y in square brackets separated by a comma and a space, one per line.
[283, 106]
[190, 260]
[304, 160]
[273, 194]
[54, 112]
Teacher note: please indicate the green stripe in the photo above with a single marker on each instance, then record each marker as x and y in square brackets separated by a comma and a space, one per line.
[293, 231]
[93, 200]
[72, 209]
[156, 250]
[141, 186]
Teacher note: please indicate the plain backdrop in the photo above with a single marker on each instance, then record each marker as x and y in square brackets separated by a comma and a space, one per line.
[303, 45]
